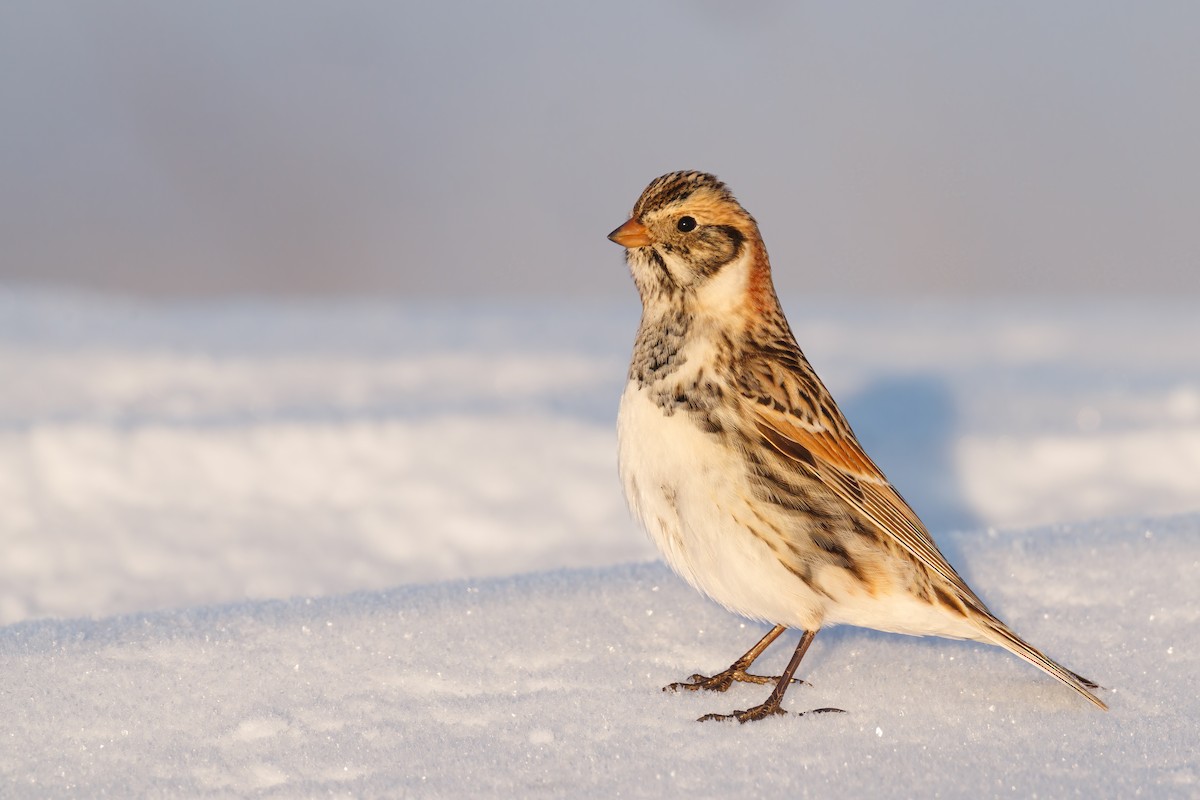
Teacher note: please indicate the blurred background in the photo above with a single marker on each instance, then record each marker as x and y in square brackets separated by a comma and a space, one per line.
[452, 149]
[308, 297]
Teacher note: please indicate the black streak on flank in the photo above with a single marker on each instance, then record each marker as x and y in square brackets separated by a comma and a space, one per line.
[839, 556]
[790, 490]
[948, 600]
[804, 572]
[864, 531]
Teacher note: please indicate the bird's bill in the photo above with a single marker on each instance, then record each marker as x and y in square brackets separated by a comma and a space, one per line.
[631, 234]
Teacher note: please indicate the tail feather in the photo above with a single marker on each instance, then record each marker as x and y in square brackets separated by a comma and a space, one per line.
[1003, 636]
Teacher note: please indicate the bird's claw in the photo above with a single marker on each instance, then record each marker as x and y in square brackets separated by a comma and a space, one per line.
[722, 681]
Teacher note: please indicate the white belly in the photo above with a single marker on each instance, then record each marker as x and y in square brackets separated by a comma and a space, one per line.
[692, 496]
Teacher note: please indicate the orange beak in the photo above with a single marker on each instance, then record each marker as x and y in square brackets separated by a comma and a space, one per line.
[631, 234]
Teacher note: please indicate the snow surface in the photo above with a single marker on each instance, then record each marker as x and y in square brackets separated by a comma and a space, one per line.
[378, 549]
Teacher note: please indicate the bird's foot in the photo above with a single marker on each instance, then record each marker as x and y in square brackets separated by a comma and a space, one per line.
[767, 709]
[723, 680]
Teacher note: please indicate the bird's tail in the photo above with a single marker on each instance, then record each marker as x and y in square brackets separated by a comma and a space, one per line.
[1001, 634]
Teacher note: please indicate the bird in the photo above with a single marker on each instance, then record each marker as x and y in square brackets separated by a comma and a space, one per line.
[740, 466]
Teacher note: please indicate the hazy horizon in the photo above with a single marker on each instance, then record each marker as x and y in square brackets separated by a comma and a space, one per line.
[475, 150]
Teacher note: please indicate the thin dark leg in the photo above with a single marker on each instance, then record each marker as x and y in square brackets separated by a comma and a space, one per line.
[736, 672]
[772, 704]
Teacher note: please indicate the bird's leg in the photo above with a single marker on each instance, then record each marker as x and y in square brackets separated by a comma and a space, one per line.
[772, 705]
[737, 670]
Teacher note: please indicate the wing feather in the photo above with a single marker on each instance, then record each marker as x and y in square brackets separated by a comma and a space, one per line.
[839, 462]
[809, 429]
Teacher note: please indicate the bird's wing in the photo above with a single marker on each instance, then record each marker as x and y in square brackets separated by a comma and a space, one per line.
[795, 414]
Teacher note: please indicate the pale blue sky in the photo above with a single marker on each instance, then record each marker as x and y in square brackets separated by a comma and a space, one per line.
[483, 148]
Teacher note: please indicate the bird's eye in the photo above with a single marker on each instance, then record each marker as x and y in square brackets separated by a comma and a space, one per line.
[686, 224]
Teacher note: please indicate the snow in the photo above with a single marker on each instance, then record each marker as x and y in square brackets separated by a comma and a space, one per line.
[376, 549]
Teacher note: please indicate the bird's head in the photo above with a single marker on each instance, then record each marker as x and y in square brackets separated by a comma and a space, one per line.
[689, 238]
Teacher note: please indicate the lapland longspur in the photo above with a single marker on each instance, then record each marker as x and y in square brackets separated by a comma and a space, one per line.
[743, 470]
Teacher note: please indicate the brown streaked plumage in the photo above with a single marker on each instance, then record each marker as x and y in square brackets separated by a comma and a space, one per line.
[740, 465]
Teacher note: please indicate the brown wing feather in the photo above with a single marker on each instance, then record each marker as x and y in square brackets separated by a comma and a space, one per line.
[826, 447]
[795, 413]
[841, 464]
